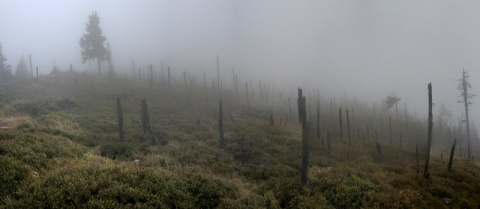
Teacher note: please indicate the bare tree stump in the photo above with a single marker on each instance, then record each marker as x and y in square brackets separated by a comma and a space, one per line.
[145, 116]
[120, 121]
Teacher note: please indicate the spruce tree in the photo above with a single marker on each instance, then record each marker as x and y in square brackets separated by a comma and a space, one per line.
[22, 70]
[92, 42]
[5, 71]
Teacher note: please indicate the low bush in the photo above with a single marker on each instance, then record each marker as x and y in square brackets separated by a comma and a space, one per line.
[116, 150]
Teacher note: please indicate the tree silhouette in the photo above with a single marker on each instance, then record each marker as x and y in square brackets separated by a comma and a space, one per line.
[463, 86]
[391, 100]
[5, 70]
[92, 42]
[22, 70]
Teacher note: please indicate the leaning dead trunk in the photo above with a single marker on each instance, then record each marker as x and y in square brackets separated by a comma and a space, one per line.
[451, 155]
[430, 124]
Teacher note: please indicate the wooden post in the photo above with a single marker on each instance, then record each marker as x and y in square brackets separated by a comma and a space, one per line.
[37, 73]
[430, 124]
[451, 155]
[348, 130]
[145, 117]
[120, 121]
[220, 123]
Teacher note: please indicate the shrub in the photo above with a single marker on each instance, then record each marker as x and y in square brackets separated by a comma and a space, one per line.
[116, 150]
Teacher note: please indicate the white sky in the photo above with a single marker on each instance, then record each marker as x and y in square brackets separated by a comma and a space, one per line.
[362, 48]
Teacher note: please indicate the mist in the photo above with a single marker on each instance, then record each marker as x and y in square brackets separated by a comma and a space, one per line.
[361, 49]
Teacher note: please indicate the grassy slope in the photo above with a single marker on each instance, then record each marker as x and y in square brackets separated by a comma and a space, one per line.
[61, 150]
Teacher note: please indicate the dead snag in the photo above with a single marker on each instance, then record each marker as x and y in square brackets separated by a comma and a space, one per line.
[430, 124]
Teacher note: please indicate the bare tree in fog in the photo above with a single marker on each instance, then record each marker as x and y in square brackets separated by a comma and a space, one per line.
[92, 42]
[463, 86]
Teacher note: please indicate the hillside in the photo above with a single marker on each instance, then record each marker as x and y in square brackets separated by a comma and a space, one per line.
[60, 147]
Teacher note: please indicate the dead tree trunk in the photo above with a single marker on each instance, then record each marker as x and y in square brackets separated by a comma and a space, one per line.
[218, 72]
[451, 155]
[169, 87]
[416, 156]
[348, 130]
[406, 115]
[220, 123]
[120, 121]
[302, 110]
[430, 124]
[145, 117]
[300, 96]
[340, 122]
[318, 126]
[391, 134]
[248, 100]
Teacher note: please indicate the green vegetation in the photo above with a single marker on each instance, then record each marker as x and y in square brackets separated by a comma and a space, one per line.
[59, 147]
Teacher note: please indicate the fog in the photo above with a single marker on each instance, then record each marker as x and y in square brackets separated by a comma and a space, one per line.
[363, 49]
